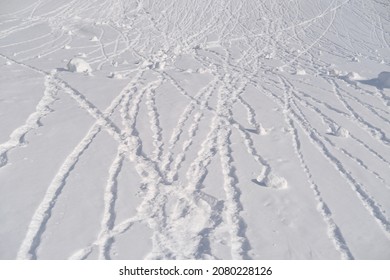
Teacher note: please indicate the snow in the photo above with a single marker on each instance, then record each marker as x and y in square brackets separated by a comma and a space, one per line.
[384, 79]
[79, 65]
[242, 130]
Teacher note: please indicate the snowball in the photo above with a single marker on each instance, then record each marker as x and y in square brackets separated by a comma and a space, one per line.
[79, 65]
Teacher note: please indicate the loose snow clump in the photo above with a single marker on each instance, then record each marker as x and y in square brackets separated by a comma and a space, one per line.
[79, 65]
[300, 72]
[116, 75]
[334, 72]
[338, 131]
[353, 76]
[342, 132]
[355, 59]
[275, 182]
[203, 70]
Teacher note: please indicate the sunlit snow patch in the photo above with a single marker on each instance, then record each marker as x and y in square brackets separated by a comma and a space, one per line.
[79, 65]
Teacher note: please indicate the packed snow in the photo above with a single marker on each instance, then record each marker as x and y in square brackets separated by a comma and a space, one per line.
[384, 79]
[179, 129]
[79, 65]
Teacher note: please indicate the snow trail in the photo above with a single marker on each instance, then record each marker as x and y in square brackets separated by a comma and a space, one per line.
[227, 129]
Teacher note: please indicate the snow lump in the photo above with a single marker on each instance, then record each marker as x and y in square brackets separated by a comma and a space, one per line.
[79, 65]
[384, 79]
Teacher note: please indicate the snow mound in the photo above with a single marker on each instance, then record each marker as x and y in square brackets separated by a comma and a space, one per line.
[275, 182]
[79, 65]
[116, 75]
[157, 65]
[334, 72]
[384, 79]
[94, 39]
[300, 72]
[203, 70]
[355, 59]
[338, 131]
[353, 76]
[342, 132]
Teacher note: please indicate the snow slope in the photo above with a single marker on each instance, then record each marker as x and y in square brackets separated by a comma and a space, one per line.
[194, 129]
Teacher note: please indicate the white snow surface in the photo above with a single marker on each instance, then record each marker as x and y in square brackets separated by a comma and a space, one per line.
[210, 129]
[79, 65]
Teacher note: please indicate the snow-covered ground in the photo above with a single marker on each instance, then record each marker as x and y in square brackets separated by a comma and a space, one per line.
[195, 129]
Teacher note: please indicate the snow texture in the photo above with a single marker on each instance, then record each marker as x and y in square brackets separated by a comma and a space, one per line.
[384, 79]
[79, 65]
[208, 130]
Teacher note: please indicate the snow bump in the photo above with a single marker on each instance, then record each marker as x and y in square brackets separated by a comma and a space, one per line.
[79, 65]
[384, 79]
